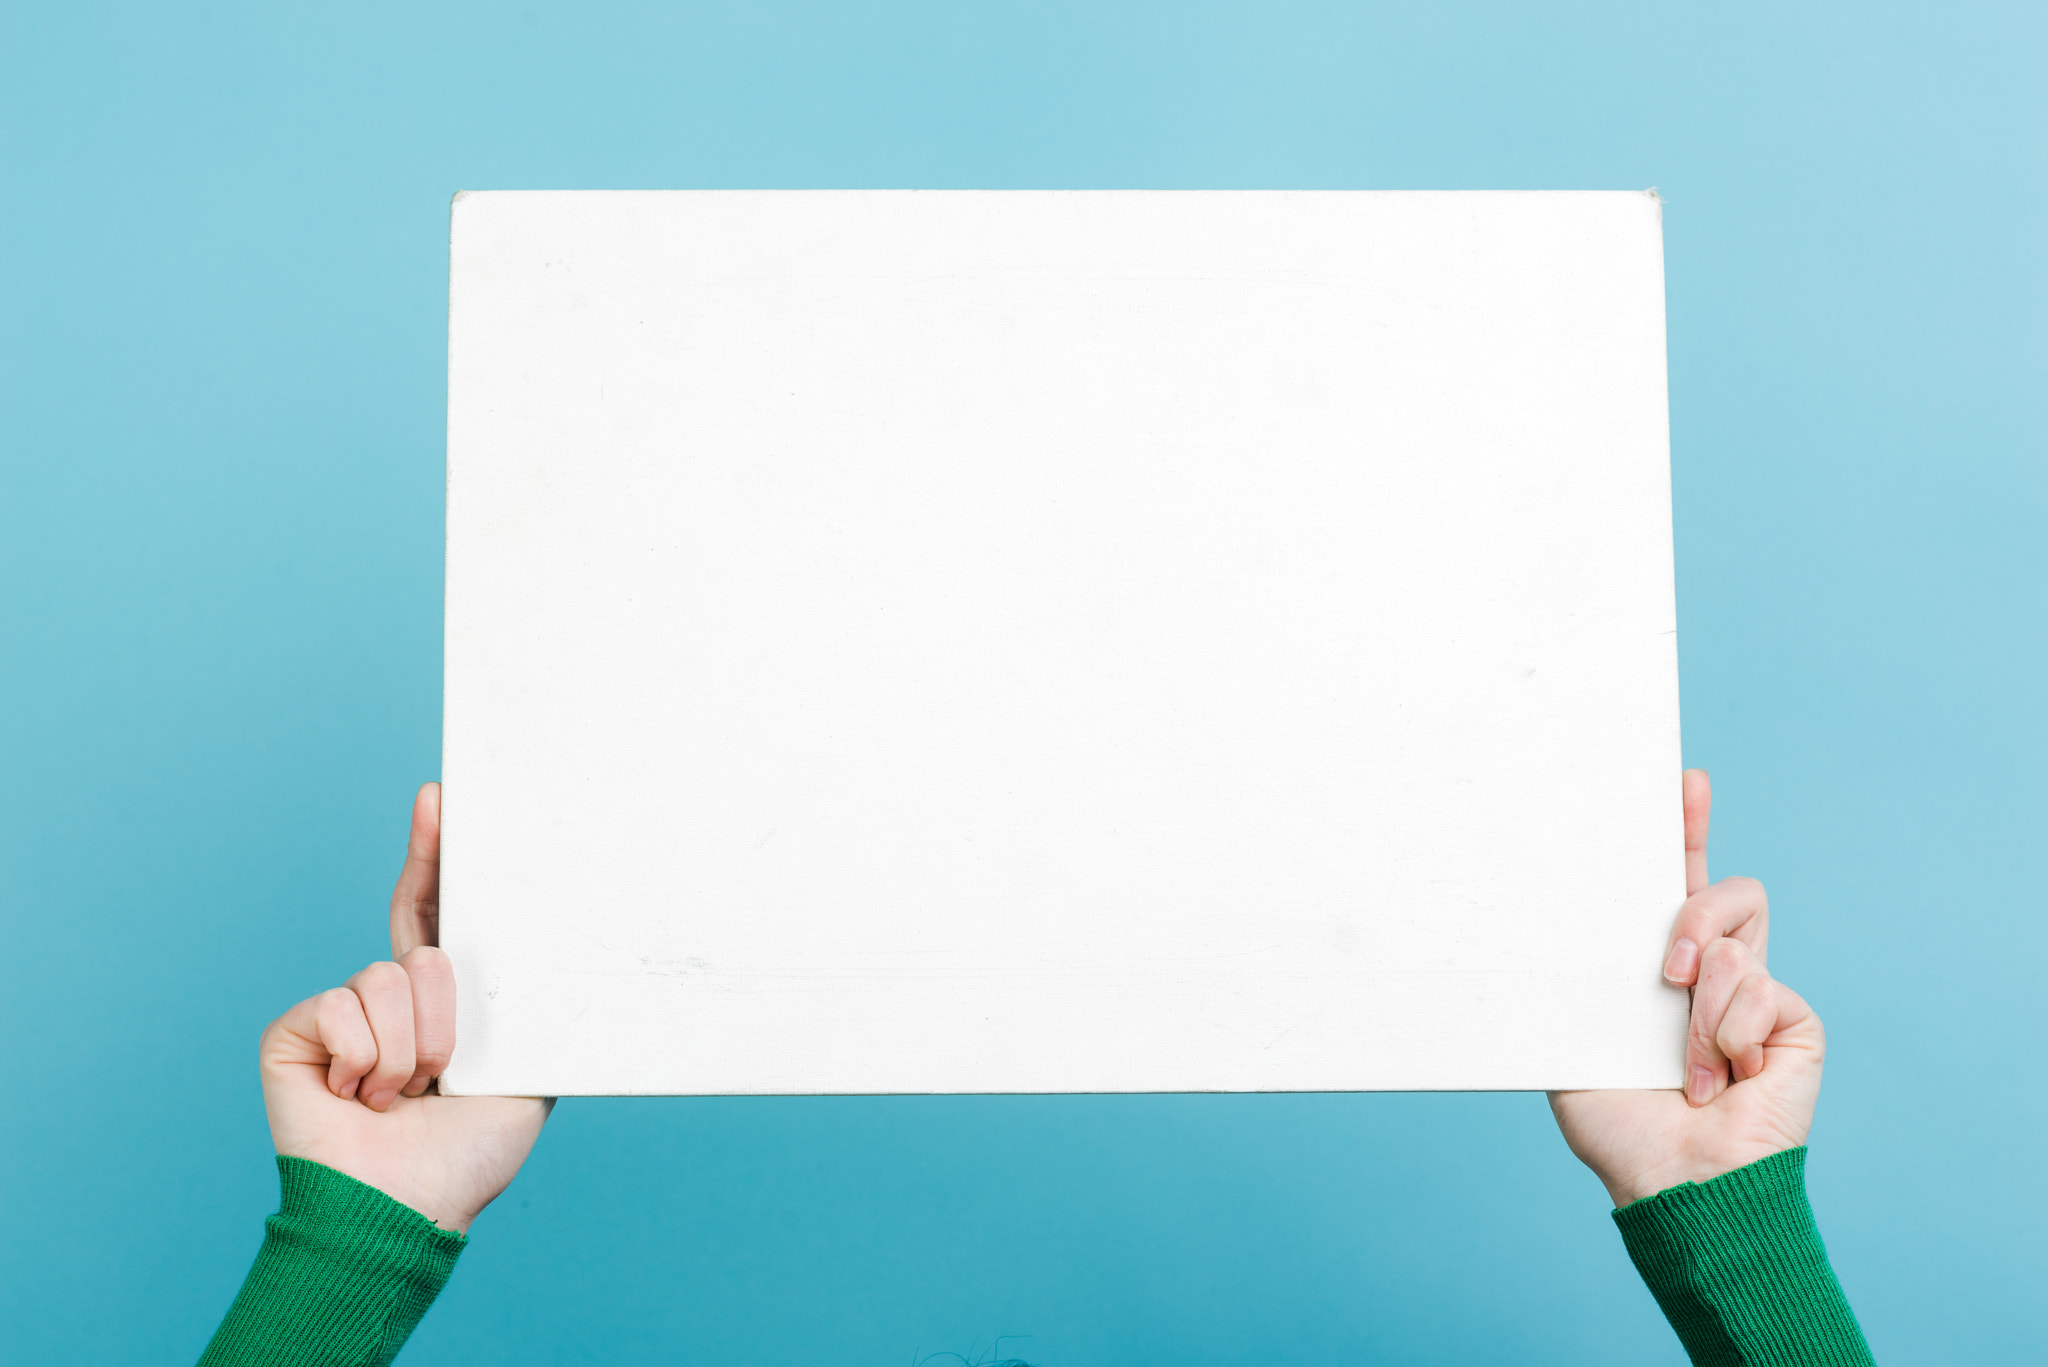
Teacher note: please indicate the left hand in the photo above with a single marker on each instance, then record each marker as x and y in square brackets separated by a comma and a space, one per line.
[1753, 1052]
[346, 1074]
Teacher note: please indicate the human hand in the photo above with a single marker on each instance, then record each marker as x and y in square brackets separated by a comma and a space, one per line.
[346, 1073]
[1752, 1054]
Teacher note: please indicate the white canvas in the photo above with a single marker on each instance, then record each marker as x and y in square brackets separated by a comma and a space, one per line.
[1030, 642]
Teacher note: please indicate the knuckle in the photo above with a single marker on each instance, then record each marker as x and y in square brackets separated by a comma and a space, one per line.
[382, 976]
[430, 960]
[1751, 893]
[1724, 955]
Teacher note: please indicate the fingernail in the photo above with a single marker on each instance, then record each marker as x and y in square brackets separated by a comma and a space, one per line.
[1680, 963]
[416, 1087]
[380, 1100]
[1700, 1085]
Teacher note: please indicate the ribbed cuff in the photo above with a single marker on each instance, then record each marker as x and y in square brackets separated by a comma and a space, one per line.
[344, 1275]
[1738, 1267]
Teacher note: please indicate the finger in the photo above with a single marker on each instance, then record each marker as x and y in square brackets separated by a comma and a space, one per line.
[1698, 800]
[433, 1014]
[1752, 1017]
[416, 901]
[1724, 967]
[1734, 908]
[324, 1036]
[334, 1025]
[386, 994]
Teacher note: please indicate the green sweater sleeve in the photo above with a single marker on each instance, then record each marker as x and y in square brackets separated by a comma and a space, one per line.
[1737, 1266]
[343, 1276]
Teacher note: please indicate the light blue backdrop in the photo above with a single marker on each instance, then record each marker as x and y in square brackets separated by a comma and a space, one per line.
[221, 402]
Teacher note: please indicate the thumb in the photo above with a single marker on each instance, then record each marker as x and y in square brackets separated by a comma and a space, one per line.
[416, 901]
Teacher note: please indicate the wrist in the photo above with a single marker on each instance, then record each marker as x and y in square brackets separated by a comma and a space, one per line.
[1677, 1170]
[1627, 1189]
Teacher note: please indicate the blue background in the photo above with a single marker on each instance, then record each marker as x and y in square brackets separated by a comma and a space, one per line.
[221, 406]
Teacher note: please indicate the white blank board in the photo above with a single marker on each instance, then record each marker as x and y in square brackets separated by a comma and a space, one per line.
[1059, 642]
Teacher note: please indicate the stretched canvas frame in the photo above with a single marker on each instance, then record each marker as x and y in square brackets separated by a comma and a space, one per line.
[1059, 641]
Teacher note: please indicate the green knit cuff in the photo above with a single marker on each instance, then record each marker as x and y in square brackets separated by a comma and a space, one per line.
[1738, 1267]
[344, 1275]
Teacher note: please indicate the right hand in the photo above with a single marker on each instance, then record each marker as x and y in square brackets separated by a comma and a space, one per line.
[1753, 1052]
[346, 1074]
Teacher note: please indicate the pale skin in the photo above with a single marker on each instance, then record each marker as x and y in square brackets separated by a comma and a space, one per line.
[347, 1075]
[1753, 1050]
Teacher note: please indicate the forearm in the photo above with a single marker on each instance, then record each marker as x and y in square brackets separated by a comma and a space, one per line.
[344, 1275]
[1738, 1267]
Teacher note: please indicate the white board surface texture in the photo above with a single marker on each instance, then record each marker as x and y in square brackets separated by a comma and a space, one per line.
[911, 641]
